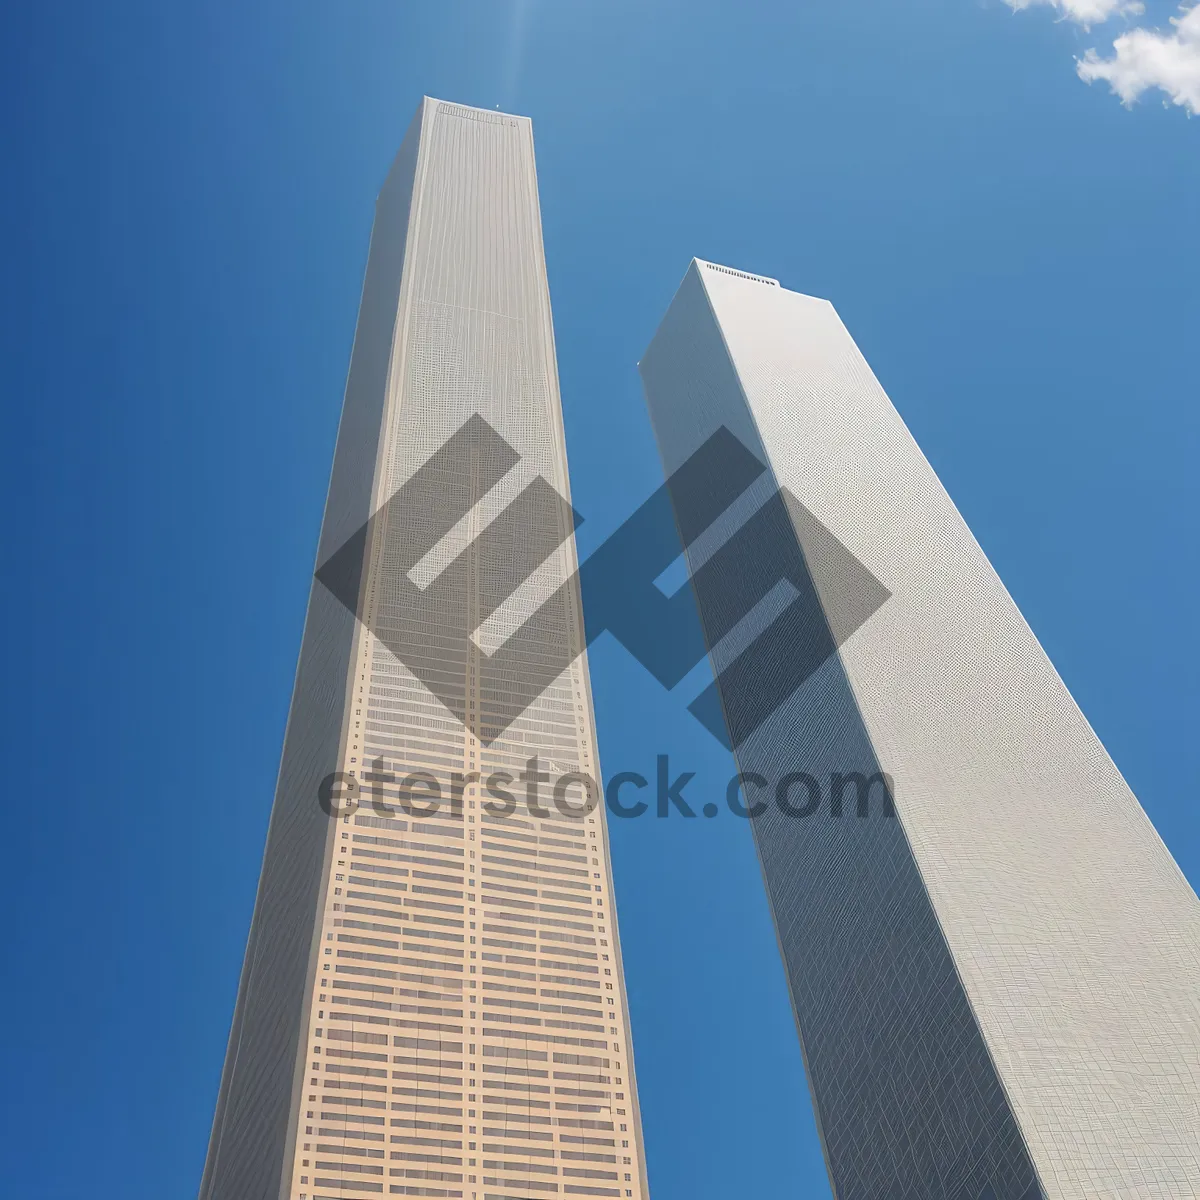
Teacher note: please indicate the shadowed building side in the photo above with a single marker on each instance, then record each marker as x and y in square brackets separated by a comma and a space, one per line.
[254, 1125]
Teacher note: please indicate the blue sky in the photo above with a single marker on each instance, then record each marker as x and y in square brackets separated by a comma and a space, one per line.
[1016, 253]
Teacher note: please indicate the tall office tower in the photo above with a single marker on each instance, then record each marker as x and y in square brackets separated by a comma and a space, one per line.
[998, 988]
[432, 1002]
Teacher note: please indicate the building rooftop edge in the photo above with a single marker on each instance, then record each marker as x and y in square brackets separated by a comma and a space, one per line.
[712, 266]
[495, 112]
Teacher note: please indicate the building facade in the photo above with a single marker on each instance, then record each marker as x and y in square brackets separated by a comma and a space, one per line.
[993, 960]
[432, 1001]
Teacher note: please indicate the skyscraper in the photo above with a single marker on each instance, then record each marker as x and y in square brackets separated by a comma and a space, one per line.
[997, 988]
[432, 1001]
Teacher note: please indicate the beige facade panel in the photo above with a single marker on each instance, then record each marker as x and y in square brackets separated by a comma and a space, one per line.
[449, 1017]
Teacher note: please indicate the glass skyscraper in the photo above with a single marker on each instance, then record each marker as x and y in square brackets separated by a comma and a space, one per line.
[432, 1001]
[993, 960]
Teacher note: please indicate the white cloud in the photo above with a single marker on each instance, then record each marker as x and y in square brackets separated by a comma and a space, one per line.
[1147, 59]
[1085, 12]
